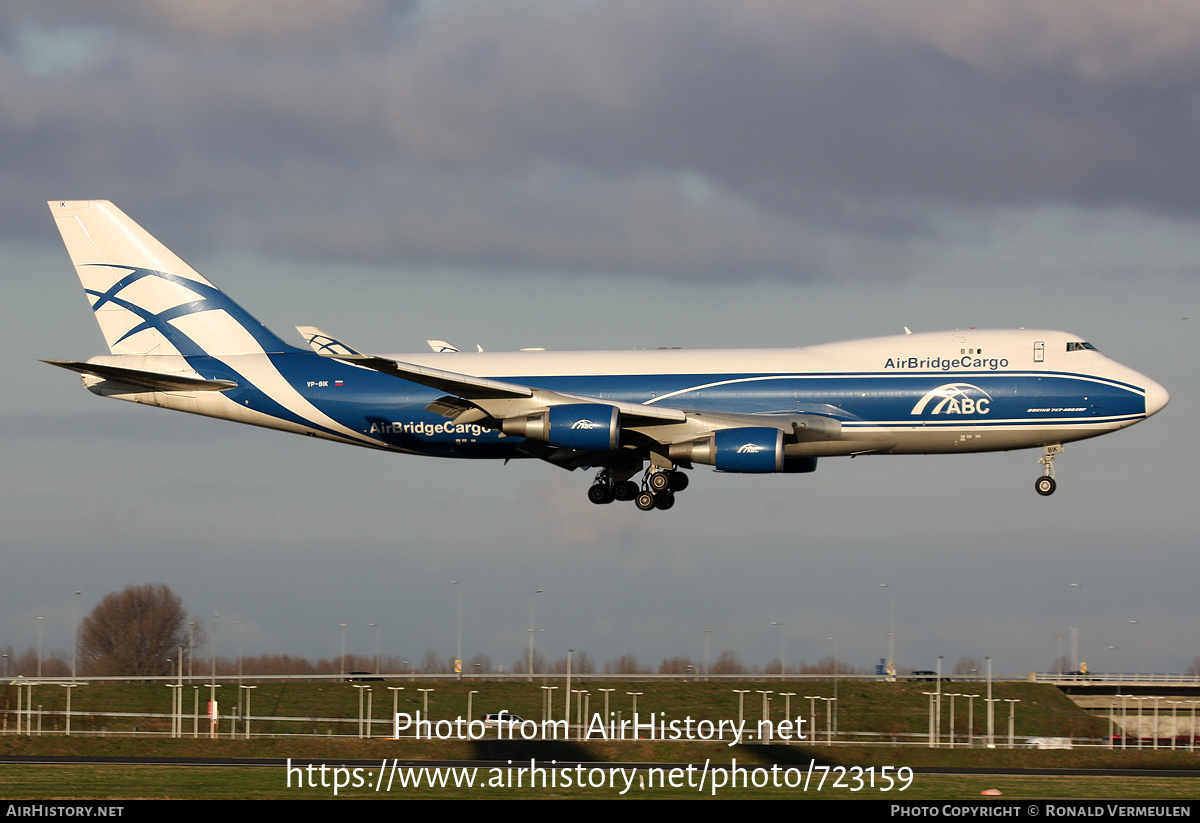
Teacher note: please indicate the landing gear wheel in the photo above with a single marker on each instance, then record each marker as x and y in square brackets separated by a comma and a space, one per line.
[664, 500]
[600, 494]
[659, 481]
[1045, 484]
[645, 501]
[679, 481]
[625, 490]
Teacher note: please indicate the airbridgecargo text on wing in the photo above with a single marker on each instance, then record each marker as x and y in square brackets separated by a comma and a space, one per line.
[947, 363]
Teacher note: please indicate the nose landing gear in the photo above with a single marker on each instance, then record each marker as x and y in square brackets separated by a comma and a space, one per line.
[1045, 484]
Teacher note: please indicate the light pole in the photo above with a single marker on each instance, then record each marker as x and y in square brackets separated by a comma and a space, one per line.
[375, 626]
[635, 696]
[991, 724]
[782, 649]
[360, 709]
[833, 727]
[395, 690]
[191, 646]
[41, 622]
[952, 695]
[1082, 621]
[787, 710]
[75, 635]
[548, 702]
[707, 637]
[567, 693]
[532, 632]
[971, 719]
[458, 647]
[342, 664]
[1138, 654]
[69, 686]
[247, 689]
[239, 664]
[1012, 719]
[939, 698]
[213, 654]
[891, 664]
[741, 693]
[176, 706]
[766, 708]
[606, 694]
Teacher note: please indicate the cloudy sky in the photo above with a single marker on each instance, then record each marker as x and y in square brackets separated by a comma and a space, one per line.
[611, 175]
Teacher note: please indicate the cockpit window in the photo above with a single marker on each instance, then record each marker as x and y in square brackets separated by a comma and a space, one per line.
[1081, 347]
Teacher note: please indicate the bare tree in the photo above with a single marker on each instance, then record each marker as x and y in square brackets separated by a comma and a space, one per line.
[625, 664]
[432, 664]
[134, 632]
[728, 663]
[967, 665]
[581, 663]
[676, 665]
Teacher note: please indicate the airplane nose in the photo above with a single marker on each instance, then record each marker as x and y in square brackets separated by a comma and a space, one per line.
[1156, 398]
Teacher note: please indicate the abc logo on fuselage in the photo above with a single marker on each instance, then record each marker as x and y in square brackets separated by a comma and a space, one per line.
[954, 398]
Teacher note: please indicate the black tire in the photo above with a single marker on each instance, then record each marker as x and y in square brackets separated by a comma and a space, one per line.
[664, 500]
[659, 481]
[1045, 486]
[600, 494]
[645, 501]
[679, 481]
[625, 490]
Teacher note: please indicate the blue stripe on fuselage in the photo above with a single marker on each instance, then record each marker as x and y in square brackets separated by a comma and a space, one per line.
[392, 412]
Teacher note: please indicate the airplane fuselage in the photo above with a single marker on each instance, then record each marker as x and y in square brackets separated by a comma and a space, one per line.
[978, 390]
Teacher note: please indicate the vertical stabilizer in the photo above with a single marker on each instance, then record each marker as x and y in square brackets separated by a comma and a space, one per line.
[147, 300]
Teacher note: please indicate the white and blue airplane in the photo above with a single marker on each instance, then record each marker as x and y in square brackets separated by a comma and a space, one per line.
[178, 342]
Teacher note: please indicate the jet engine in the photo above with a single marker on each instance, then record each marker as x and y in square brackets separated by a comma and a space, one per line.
[584, 426]
[751, 449]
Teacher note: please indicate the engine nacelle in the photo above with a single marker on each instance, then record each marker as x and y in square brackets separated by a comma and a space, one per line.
[584, 426]
[756, 450]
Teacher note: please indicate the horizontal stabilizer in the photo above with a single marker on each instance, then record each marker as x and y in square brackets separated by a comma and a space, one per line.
[155, 381]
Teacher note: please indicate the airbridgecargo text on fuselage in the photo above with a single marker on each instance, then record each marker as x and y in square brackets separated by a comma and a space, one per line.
[947, 363]
[429, 429]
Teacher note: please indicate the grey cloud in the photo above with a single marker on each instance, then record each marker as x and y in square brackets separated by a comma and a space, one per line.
[670, 138]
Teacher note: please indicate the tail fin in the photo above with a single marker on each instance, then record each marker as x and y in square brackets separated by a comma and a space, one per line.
[147, 300]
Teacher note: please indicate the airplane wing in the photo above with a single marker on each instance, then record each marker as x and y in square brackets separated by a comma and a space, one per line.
[574, 427]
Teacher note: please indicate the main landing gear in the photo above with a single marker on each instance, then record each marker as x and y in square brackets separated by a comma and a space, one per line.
[1045, 484]
[656, 491]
